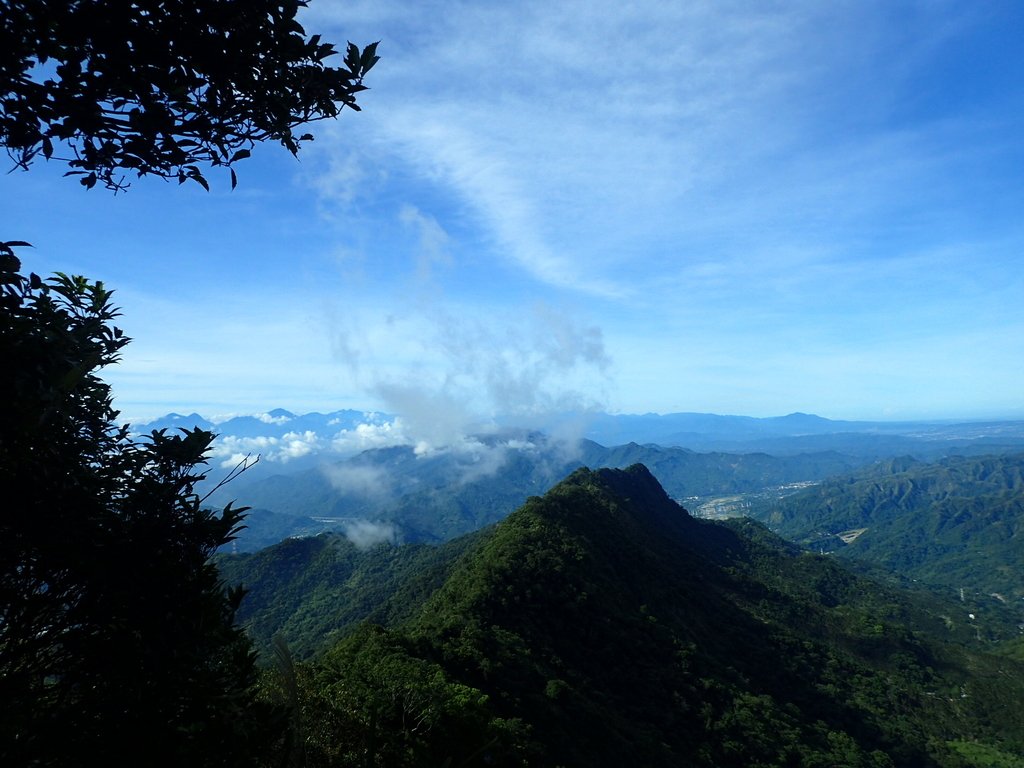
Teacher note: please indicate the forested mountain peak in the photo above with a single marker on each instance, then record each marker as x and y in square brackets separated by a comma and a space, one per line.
[601, 624]
[626, 631]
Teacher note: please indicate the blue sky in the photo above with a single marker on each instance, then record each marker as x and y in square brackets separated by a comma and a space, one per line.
[735, 207]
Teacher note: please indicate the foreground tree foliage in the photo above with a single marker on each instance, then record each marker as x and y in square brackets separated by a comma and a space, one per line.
[162, 86]
[118, 644]
[371, 701]
[117, 637]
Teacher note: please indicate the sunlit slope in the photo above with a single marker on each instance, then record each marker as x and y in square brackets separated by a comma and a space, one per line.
[958, 522]
[601, 625]
[625, 632]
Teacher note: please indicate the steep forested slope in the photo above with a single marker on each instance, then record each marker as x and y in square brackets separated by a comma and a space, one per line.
[314, 590]
[601, 625]
[958, 522]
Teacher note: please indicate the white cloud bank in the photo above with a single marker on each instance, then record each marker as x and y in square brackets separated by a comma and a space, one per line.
[366, 533]
[230, 449]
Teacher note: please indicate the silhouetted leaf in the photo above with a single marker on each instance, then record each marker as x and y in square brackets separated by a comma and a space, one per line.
[137, 89]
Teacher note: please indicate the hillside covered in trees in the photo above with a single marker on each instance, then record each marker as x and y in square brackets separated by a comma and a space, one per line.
[602, 625]
[955, 523]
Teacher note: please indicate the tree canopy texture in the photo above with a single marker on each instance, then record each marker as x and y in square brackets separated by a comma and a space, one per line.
[164, 87]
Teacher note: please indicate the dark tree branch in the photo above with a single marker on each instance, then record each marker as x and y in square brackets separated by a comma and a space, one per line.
[158, 87]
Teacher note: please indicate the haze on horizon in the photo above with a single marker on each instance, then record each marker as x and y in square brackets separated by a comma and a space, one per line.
[739, 208]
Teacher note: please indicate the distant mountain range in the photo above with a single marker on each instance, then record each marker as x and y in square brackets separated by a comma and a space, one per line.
[275, 423]
[795, 433]
[411, 496]
[801, 432]
[362, 473]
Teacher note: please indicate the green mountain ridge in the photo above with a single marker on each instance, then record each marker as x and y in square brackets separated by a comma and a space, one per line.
[958, 522]
[602, 625]
[646, 610]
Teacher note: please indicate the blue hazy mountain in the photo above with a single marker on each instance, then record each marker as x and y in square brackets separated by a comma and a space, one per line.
[802, 432]
[174, 421]
[793, 433]
[275, 423]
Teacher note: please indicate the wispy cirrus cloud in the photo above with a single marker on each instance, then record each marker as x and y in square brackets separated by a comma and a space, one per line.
[601, 146]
